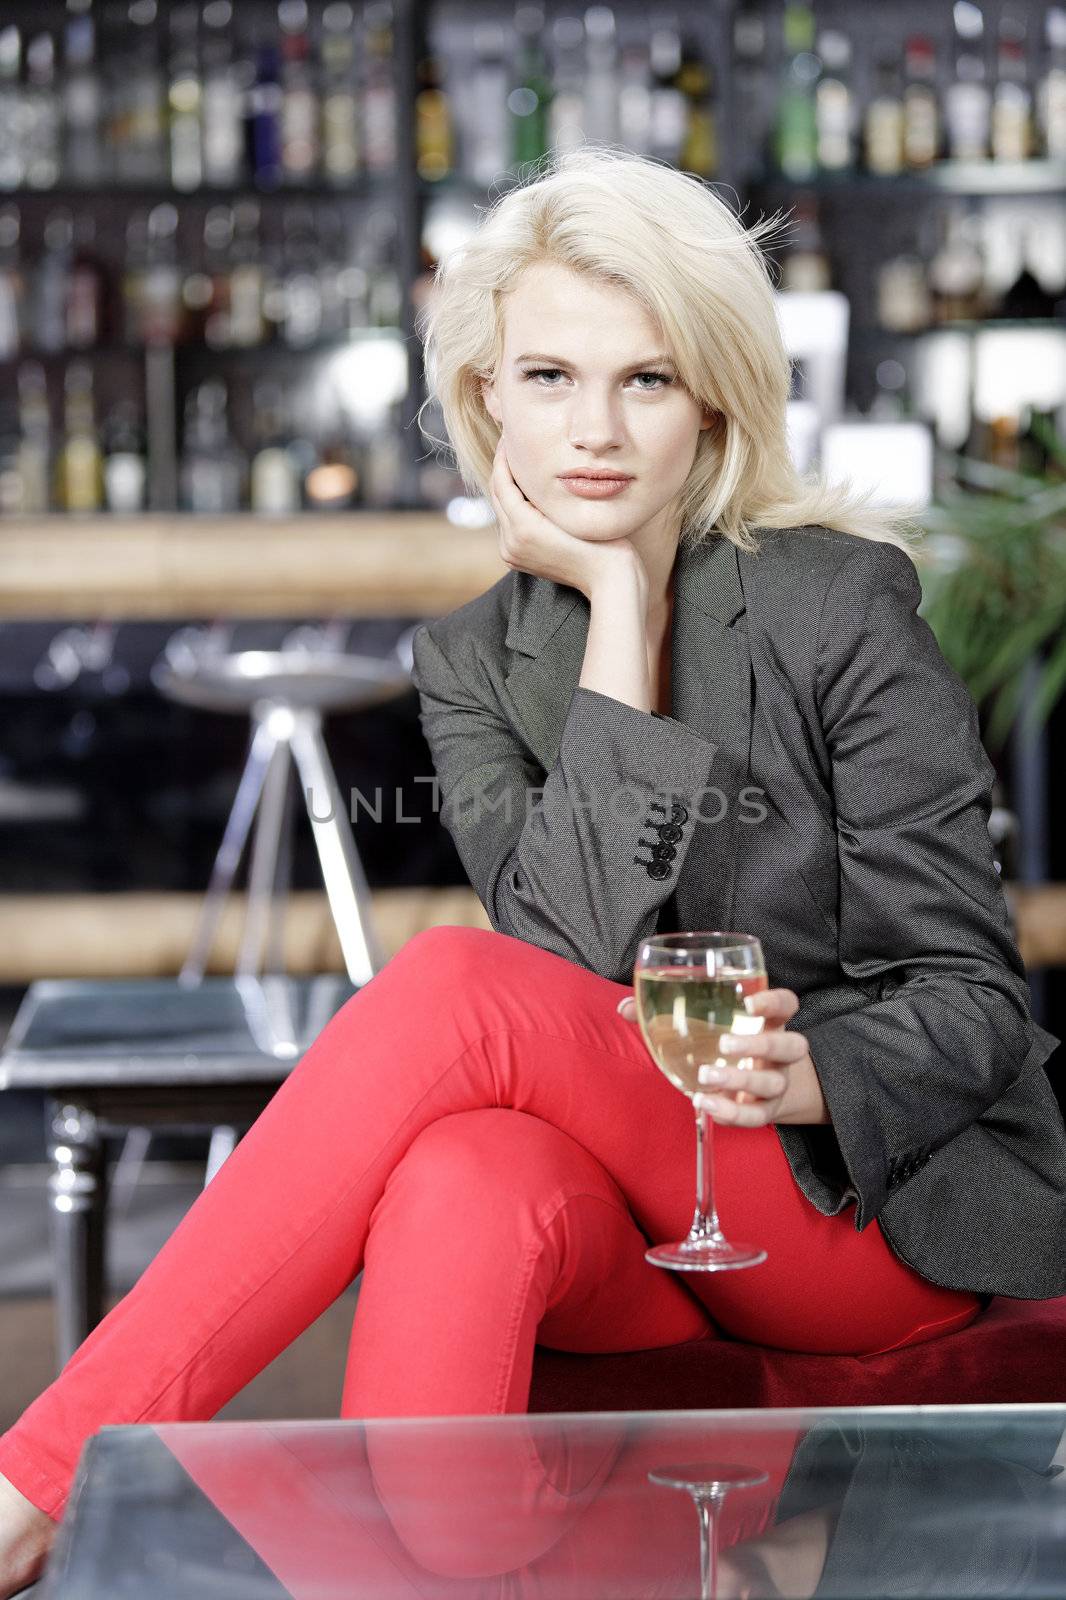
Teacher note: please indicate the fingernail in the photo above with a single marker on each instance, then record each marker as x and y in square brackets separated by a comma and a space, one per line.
[712, 1075]
[748, 1003]
[728, 1043]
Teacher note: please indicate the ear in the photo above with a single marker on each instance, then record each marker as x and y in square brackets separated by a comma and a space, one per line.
[488, 395]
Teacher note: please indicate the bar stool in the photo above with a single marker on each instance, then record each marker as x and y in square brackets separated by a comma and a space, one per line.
[286, 693]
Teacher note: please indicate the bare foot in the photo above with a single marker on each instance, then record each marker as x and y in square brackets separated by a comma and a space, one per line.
[26, 1536]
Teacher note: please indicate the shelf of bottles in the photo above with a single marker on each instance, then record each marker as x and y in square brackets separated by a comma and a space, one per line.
[201, 257]
[919, 152]
[218, 221]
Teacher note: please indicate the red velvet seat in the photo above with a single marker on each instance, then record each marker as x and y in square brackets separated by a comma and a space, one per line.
[1015, 1351]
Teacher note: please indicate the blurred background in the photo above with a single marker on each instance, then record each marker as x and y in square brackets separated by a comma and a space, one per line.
[217, 223]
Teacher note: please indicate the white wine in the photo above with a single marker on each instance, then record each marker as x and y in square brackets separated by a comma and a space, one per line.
[683, 1012]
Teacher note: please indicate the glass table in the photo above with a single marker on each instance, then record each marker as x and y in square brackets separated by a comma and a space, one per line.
[740, 1505]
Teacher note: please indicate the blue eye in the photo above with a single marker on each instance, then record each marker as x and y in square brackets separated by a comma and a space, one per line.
[544, 372]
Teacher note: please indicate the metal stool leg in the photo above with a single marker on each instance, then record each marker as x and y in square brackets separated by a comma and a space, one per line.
[267, 841]
[128, 1170]
[223, 1144]
[229, 853]
[342, 870]
[275, 950]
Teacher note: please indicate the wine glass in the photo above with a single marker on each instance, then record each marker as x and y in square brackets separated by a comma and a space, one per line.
[690, 989]
[708, 1482]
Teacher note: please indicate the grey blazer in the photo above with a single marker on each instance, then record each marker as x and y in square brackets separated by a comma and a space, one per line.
[821, 782]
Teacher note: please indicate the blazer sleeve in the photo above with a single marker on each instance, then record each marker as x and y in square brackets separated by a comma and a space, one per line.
[923, 919]
[561, 859]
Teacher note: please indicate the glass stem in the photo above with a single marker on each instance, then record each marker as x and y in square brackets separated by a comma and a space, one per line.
[705, 1225]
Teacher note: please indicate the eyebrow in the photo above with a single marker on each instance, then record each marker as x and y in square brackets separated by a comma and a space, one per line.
[632, 366]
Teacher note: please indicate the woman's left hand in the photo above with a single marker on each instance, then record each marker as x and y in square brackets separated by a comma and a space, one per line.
[782, 1086]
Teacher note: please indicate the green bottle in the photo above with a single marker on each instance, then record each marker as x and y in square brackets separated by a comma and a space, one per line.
[796, 137]
[531, 96]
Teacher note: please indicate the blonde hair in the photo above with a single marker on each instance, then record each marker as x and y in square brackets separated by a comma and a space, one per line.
[639, 224]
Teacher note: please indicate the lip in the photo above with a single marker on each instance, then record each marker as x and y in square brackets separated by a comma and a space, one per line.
[595, 488]
[599, 477]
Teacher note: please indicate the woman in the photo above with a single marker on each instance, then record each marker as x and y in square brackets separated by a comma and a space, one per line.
[729, 659]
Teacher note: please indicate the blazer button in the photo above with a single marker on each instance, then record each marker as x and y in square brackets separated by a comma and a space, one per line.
[663, 852]
[678, 814]
[658, 869]
[670, 832]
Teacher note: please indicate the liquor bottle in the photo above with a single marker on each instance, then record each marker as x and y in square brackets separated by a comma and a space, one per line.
[834, 103]
[1026, 299]
[566, 109]
[379, 129]
[669, 108]
[383, 462]
[330, 231]
[797, 129]
[805, 267]
[904, 297]
[40, 115]
[1004, 441]
[185, 100]
[634, 97]
[83, 150]
[12, 166]
[1012, 100]
[967, 103]
[376, 253]
[340, 103]
[12, 283]
[957, 270]
[883, 122]
[699, 148]
[211, 473]
[301, 323]
[921, 107]
[213, 314]
[246, 276]
[274, 485]
[48, 310]
[530, 101]
[79, 465]
[125, 466]
[751, 101]
[601, 75]
[85, 287]
[160, 287]
[484, 136]
[434, 134]
[264, 119]
[10, 480]
[134, 267]
[34, 457]
[221, 102]
[300, 151]
[138, 128]
[333, 483]
[1051, 92]
[904, 304]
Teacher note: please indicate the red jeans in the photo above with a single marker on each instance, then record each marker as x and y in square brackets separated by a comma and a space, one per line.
[481, 1130]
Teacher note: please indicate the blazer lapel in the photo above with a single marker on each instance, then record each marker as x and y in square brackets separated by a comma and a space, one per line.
[711, 692]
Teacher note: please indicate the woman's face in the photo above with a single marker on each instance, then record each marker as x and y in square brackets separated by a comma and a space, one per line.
[596, 403]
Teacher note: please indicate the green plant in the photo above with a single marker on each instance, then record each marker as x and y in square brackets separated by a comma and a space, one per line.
[994, 584]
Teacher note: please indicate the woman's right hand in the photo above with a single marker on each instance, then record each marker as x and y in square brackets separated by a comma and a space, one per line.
[531, 542]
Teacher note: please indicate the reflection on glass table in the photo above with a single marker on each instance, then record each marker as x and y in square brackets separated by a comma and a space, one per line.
[908, 1501]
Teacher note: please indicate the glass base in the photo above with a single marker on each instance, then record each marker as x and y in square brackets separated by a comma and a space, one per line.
[705, 1256]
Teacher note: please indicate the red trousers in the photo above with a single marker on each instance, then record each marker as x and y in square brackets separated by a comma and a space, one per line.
[481, 1131]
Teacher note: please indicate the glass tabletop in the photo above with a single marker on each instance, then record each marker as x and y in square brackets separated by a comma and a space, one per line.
[740, 1505]
[151, 1030]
